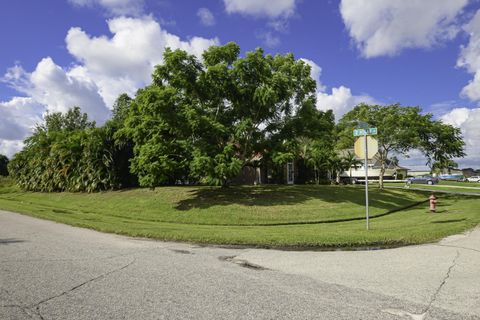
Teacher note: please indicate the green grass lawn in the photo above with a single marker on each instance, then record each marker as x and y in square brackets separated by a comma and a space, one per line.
[269, 216]
[460, 184]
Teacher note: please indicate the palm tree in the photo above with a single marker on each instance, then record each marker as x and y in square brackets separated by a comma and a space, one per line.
[335, 166]
[314, 154]
[350, 160]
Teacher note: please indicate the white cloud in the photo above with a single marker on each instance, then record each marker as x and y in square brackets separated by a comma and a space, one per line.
[26, 109]
[415, 160]
[19, 116]
[341, 100]
[114, 7]
[60, 90]
[106, 67]
[124, 62]
[381, 27]
[470, 59]
[206, 17]
[261, 8]
[316, 72]
[269, 39]
[468, 121]
[10, 147]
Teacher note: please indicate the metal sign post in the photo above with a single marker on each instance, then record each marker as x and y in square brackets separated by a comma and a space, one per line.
[366, 180]
[365, 132]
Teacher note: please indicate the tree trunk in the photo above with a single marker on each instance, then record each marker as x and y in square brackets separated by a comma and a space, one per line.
[337, 180]
[383, 158]
[382, 173]
[225, 183]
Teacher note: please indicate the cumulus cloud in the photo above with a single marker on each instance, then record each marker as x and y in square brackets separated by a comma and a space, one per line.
[381, 27]
[470, 59]
[467, 120]
[26, 109]
[124, 62]
[269, 39]
[60, 90]
[261, 8]
[106, 66]
[114, 7]
[341, 100]
[19, 116]
[10, 147]
[316, 72]
[206, 17]
[278, 12]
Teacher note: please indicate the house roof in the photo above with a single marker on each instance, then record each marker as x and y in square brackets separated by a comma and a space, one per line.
[375, 161]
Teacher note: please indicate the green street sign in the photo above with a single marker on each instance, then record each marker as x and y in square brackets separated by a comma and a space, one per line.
[358, 132]
[363, 132]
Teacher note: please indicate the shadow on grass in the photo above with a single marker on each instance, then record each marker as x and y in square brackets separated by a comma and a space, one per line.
[271, 195]
[449, 221]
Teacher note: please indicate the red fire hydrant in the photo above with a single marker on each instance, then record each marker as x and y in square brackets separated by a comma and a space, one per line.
[433, 203]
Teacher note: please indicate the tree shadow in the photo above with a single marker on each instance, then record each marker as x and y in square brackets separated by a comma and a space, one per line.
[272, 195]
[449, 221]
[10, 241]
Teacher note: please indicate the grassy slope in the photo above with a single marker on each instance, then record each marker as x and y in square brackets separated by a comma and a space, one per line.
[212, 215]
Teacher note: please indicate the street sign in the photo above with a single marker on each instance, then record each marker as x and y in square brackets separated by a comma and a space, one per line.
[358, 132]
[362, 132]
[366, 147]
[372, 147]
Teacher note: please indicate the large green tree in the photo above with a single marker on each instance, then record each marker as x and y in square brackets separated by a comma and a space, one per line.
[401, 129]
[207, 119]
[440, 143]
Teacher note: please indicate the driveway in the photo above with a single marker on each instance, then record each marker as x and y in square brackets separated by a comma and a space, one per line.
[53, 271]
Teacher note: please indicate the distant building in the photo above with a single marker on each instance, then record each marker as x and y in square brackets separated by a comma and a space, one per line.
[418, 173]
[393, 171]
[468, 172]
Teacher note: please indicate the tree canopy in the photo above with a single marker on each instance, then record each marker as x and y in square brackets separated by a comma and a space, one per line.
[207, 119]
[401, 129]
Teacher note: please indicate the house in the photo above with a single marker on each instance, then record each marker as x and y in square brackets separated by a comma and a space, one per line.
[392, 171]
[468, 172]
[418, 173]
[294, 172]
[451, 170]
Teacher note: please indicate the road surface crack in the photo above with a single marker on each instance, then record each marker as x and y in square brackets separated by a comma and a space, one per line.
[424, 314]
[458, 247]
[36, 307]
[242, 263]
[444, 281]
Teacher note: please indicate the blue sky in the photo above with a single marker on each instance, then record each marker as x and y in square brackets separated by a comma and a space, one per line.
[59, 53]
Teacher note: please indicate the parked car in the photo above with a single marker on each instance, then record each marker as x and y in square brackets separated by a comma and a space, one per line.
[473, 179]
[422, 180]
[452, 177]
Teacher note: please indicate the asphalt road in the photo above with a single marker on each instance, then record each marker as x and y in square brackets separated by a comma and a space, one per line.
[54, 271]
